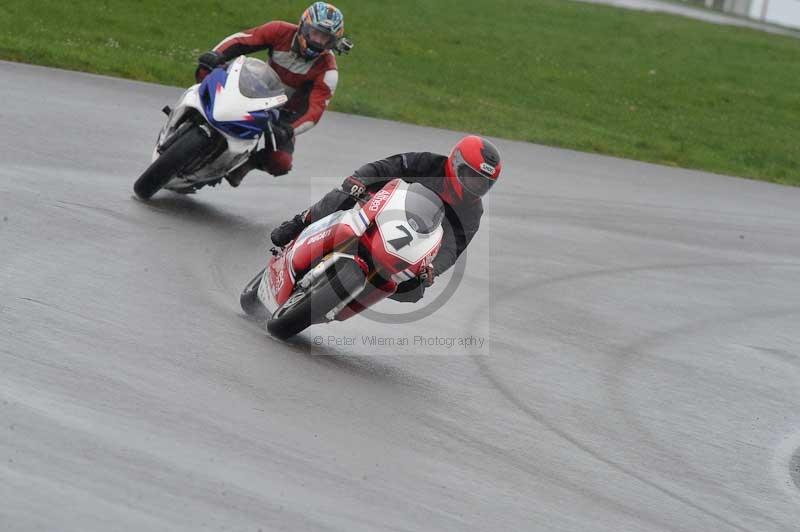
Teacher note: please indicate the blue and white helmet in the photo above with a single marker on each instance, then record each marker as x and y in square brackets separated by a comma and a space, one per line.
[321, 26]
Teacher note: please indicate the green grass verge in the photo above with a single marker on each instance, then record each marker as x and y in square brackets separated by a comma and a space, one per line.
[643, 86]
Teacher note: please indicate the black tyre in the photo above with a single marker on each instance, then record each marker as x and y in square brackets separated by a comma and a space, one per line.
[191, 144]
[305, 308]
[249, 299]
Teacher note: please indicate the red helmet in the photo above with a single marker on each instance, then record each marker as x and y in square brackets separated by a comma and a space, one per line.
[472, 168]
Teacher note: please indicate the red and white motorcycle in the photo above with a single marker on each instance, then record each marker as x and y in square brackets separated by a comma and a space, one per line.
[348, 261]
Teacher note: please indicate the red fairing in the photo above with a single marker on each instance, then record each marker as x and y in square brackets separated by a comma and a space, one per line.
[366, 299]
[374, 206]
[305, 256]
[390, 263]
[281, 281]
[307, 253]
[310, 250]
[373, 240]
[415, 268]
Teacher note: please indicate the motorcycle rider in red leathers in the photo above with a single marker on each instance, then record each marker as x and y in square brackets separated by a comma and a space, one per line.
[302, 56]
[460, 180]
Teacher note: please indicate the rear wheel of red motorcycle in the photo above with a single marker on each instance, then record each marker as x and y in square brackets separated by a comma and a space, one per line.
[192, 143]
[305, 308]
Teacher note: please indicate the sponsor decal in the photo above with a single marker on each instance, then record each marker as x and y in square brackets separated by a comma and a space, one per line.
[357, 190]
[379, 198]
[277, 276]
[487, 168]
[319, 236]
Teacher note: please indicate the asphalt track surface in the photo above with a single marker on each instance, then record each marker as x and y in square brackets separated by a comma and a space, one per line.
[639, 372]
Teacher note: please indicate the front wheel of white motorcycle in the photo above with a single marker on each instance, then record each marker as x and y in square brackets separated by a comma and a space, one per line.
[192, 143]
[305, 308]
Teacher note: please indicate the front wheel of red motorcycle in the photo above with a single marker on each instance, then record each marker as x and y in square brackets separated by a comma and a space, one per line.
[249, 299]
[305, 308]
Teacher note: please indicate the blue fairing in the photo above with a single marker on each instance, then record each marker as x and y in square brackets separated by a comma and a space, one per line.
[243, 129]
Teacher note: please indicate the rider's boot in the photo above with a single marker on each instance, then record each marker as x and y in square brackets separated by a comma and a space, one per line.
[288, 230]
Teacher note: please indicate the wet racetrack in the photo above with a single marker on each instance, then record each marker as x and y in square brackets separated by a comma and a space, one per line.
[638, 372]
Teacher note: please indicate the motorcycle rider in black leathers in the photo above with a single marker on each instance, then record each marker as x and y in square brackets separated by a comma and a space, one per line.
[460, 180]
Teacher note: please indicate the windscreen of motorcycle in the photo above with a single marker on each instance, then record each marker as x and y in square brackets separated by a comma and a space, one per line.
[424, 208]
[258, 80]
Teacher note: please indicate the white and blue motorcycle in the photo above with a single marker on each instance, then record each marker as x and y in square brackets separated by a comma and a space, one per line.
[214, 128]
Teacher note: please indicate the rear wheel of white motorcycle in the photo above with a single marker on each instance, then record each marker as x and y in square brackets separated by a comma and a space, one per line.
[305, 308]
[191, 143]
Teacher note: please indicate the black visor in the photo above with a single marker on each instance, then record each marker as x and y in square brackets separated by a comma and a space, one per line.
[477, 183]
[424, 209]
[318, 39]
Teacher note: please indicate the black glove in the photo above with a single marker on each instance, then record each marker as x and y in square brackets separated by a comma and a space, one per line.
[208, 62]
[355, 187]
[427, 275]
[288, 230]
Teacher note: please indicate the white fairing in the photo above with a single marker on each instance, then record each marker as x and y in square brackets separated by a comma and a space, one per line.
[230, 105]
[394, 226]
